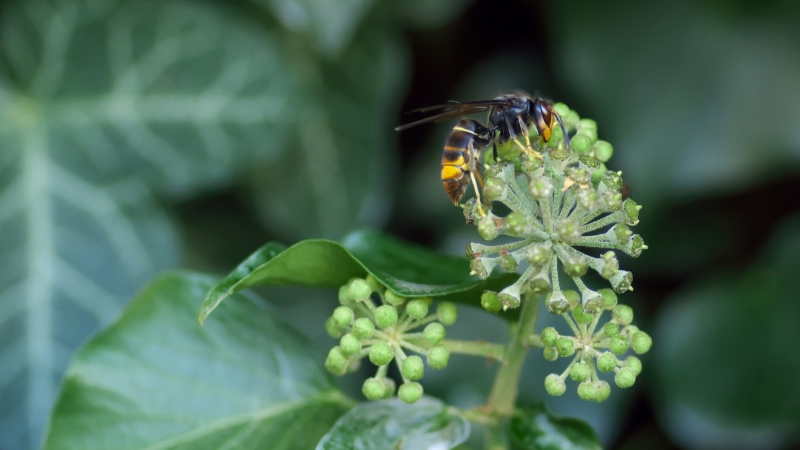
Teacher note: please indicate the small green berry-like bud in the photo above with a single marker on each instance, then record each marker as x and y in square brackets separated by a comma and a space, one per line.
[516, 223]
[603, 391]
[592, 301]
[559, 153]
[487, 228]
[612, 180]
[389, 387]
[508, 300]
[569, 230]
[532, 165]
[609, 265]
[380, 354]
[434, 333]
[363, 328]
[623, 233]
[554, 385]
[580, 372]
[538, 256]
[587, 390]
[373, 389]
[540, 283]
[489, 302]
[550, 353]
[587, 124]
[565, 346]
[575, 265]
[410, 392]
[413, 369]
[634, 363]
[342, 316]
[507, 262]
[556, 302]
[587, 199]
[635, 246]
[622, 314]
[603, 151]
[631, 210]
[610, 329]
[582, 142]
[641, 342]
[417, 309]
[494, 188]
[597, 175]
[621, 281]
[606, 362]
[478, 268]
[438, 357]
[344, 295]
[573, 298]
[561, 109]
[359, 289]
[581, 316]
[618, 344]
[591, 162]
[392, 298]
[332, 329]
[541, 187]
[447, 313]
[625, 377]
[374, 284]
[386, 316]
[349, 344]
[336, 363]
[549, 336]
[609, 298]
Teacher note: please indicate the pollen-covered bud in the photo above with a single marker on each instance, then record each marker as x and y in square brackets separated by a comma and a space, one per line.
[434, 333]
[438, 357]
[618, 344]
[575, 265]
[603, 151]
[603, 391]
[625, 377]
[556, 302]
[610, 329]
[417, 309]
[565, 346]
[381, 354]
[359, 289]
[412, 368]
[613, 200]
[490, 303]
[549, 336]
[631, 210]
[516, 223]
[541, 187]
[569, 230]
[587, 390]
[373, 389]
[621, 281]
[410, 392]
[579, 175]
[622, 314]
[447, 313]
[344, 295]
[641, 342]
[539, 283]
[587, 199]
[386, 316]
[342, 316]
[609, 298]
[487, 228]
[612, 180]
[606, 362]
[550, 353]
[538, 256]
[332, 329]
[554, 385]
[349, 344]
[634, 363]
[392, 298]
[363, 328]
[507, 262]
[494, 188]
[336, 362]
[580, 372]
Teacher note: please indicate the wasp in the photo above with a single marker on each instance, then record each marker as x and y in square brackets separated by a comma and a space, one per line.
[510, 115]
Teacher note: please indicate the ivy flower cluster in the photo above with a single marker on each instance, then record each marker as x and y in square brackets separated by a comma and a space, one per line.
[385, 332]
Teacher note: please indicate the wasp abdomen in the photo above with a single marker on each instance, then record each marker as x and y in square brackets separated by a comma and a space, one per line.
[456, 159]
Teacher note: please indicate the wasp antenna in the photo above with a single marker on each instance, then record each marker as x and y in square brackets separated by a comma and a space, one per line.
[563, 130]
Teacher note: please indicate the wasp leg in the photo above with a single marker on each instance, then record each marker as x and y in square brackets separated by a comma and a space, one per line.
[524, 129]
[474, 168]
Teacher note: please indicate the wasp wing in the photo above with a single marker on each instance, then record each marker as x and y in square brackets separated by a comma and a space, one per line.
[453, 110]
[453, 105]
[440, 117]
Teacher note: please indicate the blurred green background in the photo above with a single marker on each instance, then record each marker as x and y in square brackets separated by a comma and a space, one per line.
[141, 135]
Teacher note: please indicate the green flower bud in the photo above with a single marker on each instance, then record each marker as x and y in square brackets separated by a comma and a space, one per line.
[561, 109]
[386, 316]
[540, 283]
[609, 298]
[592, 301]
[612, 180]
[618, 344]
[573, 298]
[344, 295]
[478, 268]
[625, 377]
[516, 223]
[374, 284]
[565, 346]
[363, 328]
[571, 119]
[494, 189]
[392, 298]
[507, 299]
[507, 262]
[447, 313]
[603, 151]
[413, 369]
[417, 309]
[609, 265]
[434, 333]
[582, 142]
[332, 329]
[578, 174]
[603, 391]
[575, 265]
[487, 228]
[569, 230]
[492, 170]
[635, 246]
[489, 302]
[549, 336]
[613, 200]
[621, 281]
[641, 342]
[610, 329]
[631, 210]
[531, 165]
[550, 353]
[554, 385]
[358, 289]
[381, 354]
[587, 199]
[587, 124]
[580, 372]
[606, 362]
[581, 316]
[634, 363]
[438, 357]
[559, 153]
[597, 175]
[587, 390]
[556, 302]
[389, 387]
[336, 362]
[622, 314]
[410, 392]
[538, 256]
[349, 344]
[342, 316]
[623, 233]
[541, 187]
[354, 365]
[591, 162]
[373, 389]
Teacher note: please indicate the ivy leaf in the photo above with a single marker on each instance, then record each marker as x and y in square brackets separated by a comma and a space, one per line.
[103, 104]
[155, 379]
[406, 269]
[534, 428]
[427, 424]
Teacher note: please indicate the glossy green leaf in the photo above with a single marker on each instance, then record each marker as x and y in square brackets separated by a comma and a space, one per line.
[393, 424]
[534, 428]
[406, 269]
[102, 105]
[157, 380]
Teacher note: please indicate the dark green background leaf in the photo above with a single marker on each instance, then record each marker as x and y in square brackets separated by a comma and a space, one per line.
[155, 379]
[534, 428]
[393, 424]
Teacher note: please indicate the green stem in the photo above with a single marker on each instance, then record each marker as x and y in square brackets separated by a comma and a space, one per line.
[506, 382]
[475, 348]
